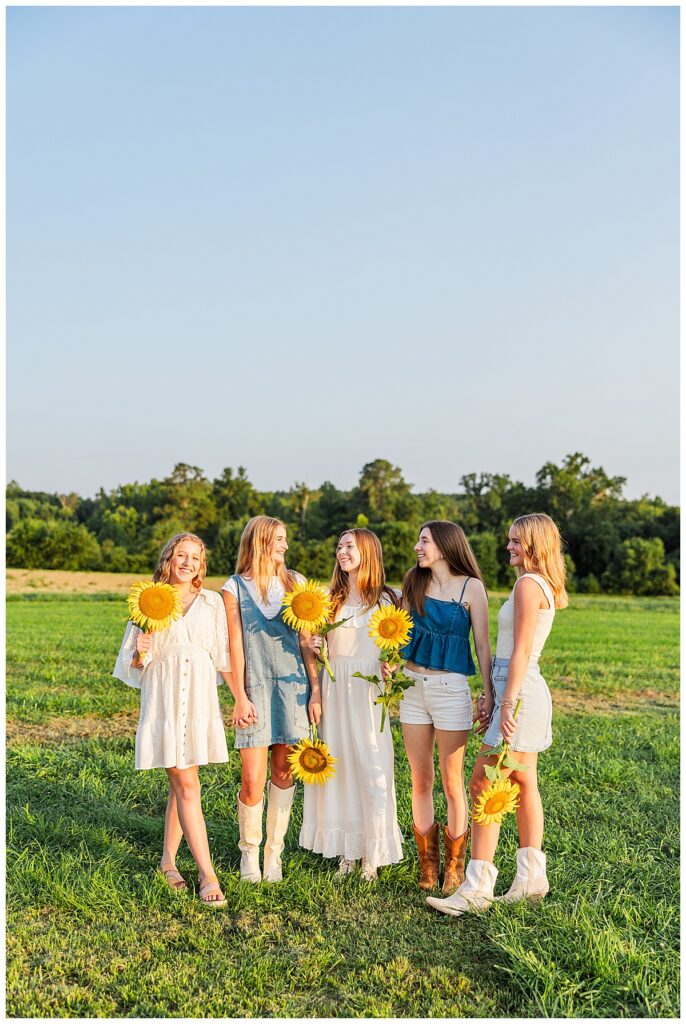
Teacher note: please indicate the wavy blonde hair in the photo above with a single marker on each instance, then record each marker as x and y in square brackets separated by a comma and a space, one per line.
[371, 578]
[163, 568]
[542, 552]
[254, 555]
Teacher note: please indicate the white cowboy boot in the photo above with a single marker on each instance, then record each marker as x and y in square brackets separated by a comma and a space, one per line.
[250, 833]
[279, 803]
[475, 893]
[530, 882]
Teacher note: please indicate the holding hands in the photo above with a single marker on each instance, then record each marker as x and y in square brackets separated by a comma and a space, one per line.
[484, 710]
[244, 712]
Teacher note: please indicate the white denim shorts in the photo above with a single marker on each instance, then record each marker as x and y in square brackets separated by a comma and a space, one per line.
[442, 700]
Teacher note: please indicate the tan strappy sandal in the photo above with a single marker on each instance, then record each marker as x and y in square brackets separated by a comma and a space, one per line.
[208, 886]
[174, 879]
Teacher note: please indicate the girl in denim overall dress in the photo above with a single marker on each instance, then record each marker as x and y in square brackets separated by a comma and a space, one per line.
[524, 623]
[275, 688]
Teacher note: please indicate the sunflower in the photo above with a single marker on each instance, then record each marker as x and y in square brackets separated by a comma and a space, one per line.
[390, 627]
[307, 606]
[496, 800]
[311, 761]
[154, 606]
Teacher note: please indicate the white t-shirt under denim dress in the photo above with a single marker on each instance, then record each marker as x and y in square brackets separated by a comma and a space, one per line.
[180, 720]
[533, 732]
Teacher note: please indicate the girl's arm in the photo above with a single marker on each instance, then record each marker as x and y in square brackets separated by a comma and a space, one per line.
[244, 710]
[478, 613]
[528, 598]
[310, 662]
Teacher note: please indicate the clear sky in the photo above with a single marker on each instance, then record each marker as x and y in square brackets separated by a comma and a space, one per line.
[299, 239]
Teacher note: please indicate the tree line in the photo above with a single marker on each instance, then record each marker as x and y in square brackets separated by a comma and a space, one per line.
[612, 544]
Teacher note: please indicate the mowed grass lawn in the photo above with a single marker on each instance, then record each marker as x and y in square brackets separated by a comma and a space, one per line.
[93, 931]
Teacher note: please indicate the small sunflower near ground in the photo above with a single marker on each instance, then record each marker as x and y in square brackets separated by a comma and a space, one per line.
[311, 761]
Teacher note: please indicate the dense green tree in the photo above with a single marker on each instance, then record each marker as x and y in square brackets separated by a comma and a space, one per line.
[639, 567]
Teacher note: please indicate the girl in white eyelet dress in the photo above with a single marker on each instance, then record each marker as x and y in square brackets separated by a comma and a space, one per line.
[354, 816]
[180, 725]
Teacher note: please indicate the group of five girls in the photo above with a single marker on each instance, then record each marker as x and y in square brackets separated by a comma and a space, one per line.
[272, 673]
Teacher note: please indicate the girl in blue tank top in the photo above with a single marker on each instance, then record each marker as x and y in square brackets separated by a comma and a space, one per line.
[445, 596]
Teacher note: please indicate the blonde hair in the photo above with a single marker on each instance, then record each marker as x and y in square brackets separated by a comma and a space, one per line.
[254, 555]
[451, 541]
[542, 552]
[371, 578]
[162, 571]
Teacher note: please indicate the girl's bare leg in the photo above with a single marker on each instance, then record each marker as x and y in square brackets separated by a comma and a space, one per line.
[173, 834]
[451, 751]
[253, 774]
[419, 746]
[280, 769]
[186, 786]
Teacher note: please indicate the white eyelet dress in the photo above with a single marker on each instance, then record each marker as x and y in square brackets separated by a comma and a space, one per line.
[180, 721]
[533, 731]
[354, 814]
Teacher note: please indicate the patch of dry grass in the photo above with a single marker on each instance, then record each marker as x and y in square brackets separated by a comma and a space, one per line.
[58, 581]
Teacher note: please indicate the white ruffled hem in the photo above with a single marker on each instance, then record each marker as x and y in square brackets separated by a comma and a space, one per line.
[353, 845]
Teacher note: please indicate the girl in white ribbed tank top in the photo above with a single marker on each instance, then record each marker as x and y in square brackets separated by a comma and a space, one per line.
[524, 623]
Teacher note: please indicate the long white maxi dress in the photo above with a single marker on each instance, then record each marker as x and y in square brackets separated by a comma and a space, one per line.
[354, 814]
[180, 720]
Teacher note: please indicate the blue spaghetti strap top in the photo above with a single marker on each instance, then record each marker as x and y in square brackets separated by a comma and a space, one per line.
[440, 638]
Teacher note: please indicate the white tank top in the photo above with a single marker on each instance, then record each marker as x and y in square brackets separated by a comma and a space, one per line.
[505, 642]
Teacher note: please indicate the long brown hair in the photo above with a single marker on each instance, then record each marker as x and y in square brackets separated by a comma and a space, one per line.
[371, 578]
[162, 569]
[254, 555]
[542, 552]
[451, 541]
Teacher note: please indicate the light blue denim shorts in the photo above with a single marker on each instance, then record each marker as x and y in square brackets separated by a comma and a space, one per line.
[535, 717]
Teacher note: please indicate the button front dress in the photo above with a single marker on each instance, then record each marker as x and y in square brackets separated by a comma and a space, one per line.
[354, 814]
[180, 720]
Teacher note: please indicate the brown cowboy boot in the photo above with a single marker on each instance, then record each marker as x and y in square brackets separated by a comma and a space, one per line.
[429, 852]
[455, 853]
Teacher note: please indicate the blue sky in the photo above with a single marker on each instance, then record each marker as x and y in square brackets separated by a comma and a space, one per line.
[299, 239]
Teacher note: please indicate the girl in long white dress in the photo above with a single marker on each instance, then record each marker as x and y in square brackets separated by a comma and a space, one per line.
[180, 724]
[353, 816]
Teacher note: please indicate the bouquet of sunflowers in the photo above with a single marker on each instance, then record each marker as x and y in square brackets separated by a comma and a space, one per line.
[390, 629]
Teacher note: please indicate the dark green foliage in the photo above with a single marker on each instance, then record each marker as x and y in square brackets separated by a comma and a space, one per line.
[620, 546]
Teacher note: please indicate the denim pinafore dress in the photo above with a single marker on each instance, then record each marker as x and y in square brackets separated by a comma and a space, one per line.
[275, 678]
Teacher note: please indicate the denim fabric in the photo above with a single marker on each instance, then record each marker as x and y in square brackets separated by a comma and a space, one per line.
[440, 638]
[534, 720]
[275, 678]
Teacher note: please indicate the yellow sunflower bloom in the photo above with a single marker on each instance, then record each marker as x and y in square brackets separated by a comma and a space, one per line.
[311, 761]
[154, 606]
[496, 800]
[390, 627]
[307, 606]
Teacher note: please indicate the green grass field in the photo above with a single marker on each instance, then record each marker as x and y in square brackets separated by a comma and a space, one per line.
[94, 932]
